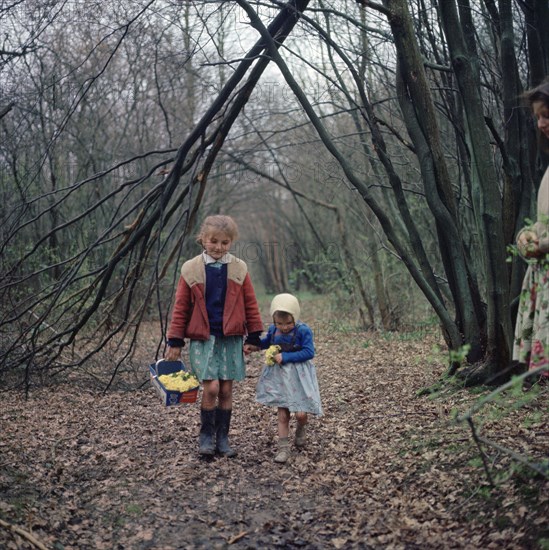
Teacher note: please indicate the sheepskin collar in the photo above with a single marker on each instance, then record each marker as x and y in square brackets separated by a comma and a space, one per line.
[193, 271]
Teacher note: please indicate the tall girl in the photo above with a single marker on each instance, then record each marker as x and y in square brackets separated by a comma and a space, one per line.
[215, 307]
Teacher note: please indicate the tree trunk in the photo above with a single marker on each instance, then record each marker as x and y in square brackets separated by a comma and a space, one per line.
[439, 192]
[488, 206]
[518, 183]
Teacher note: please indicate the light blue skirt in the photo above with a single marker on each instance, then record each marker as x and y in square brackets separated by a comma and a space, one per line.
[293, 386]
[219, 358]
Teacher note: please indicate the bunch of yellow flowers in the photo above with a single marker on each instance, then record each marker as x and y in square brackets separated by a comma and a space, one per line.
[270, 353]
[179, 381]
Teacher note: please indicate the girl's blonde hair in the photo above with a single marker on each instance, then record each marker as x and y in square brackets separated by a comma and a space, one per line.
[218, 224]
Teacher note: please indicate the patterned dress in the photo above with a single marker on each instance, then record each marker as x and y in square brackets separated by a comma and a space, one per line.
[293, 384]
[532, 329]
[219, 358]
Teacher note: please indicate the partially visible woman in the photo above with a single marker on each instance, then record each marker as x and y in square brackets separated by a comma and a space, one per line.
[532, 329]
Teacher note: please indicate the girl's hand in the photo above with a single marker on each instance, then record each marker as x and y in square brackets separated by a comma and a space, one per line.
[248, 348]
[173, 354]
[278, 358]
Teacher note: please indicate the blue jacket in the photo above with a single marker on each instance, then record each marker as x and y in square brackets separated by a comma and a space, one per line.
[301, 337]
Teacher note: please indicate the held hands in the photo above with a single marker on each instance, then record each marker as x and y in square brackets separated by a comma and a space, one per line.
[249, 348]
[278, 358]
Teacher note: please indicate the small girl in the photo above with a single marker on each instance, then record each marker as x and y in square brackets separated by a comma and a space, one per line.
[290, 384]
[215, 306]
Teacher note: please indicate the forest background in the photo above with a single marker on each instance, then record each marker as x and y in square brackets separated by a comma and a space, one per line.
[378, 153]
[379, 161]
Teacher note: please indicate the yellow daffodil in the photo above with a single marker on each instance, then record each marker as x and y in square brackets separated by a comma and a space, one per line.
[179, 381]
[270, 353]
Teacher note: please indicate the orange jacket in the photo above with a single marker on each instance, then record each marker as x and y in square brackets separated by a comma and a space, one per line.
[240, 313]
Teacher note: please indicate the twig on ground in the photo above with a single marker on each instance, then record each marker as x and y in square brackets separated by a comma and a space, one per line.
[22, 533]
[463, 502]
[516, 456]
[490, 397]
[236, 538]
[59, 441]
[482, 454]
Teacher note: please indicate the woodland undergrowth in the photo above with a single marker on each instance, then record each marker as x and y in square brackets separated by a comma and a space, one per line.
[388, 465]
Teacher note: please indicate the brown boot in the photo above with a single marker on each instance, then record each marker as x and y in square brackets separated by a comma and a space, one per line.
[283, 450]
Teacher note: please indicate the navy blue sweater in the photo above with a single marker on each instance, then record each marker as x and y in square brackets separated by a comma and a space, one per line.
[216, 288]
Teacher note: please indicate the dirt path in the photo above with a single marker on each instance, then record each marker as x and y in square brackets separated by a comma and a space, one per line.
[383, 468]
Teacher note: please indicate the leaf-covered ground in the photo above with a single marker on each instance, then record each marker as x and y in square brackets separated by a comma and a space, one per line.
[384, 468]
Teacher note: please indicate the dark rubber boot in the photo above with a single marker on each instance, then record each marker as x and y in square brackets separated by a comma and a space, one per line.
[222, 425]
[207, 432]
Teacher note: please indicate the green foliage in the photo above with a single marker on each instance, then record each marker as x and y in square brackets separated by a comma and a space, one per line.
[486, 407]
[485, 492]
[475, 462]
[512, 253]
[509, 397]
[502, 522]
[479, 390]
[331, 275]
[533, 419]
[460, 355]
[134, 509]
[523, 473]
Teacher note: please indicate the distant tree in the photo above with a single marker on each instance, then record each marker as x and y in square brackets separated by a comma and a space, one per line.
[73, 289]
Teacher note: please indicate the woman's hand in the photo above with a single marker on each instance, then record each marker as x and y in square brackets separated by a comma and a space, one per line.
[278, 358]
[528, 244]
[543, 246]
